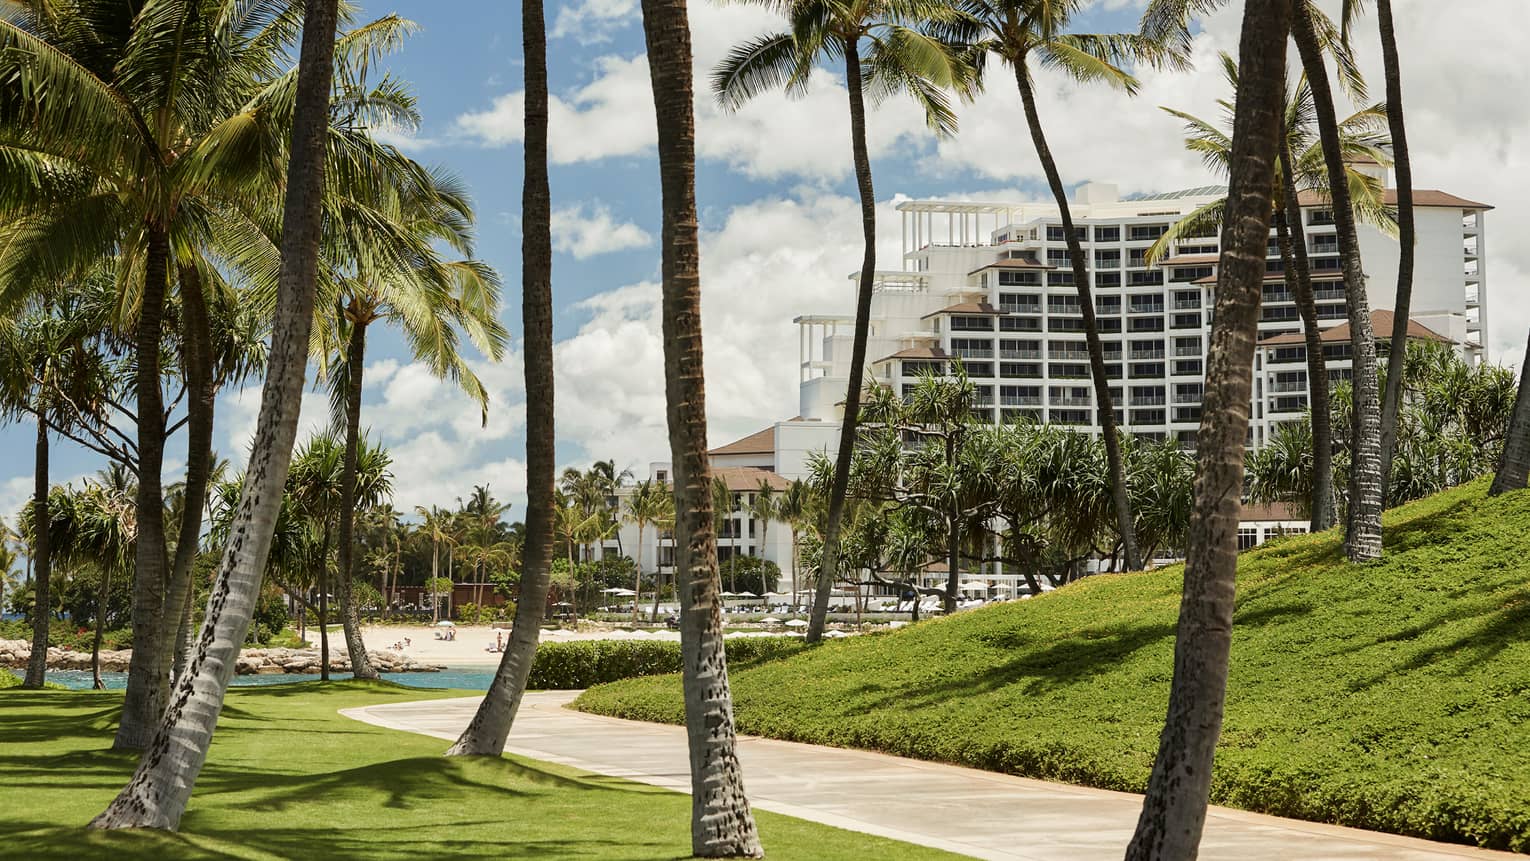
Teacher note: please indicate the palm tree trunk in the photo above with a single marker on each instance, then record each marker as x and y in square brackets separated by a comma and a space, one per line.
[1125, 525]
[156, 795]
[42, 560]
[435, 574]
[324, 602]
[1514, 467]
[95, 643]
[637, 585]
[350, 619]
[828, 565]
[490, 726]
[203, 395]
[1174, 811]
[148, 675]
[183, 639]
[1362, 540]
[721, 823]
[1405, 240]
[1317, 364]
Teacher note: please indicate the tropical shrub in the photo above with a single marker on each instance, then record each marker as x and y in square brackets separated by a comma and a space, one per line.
[576, 665]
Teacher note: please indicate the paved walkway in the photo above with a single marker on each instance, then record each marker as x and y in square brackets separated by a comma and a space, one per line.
[976, 813]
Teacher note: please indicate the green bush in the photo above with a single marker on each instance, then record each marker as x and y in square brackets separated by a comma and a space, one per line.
[1393, 696]
[585, 663]
[66, 635]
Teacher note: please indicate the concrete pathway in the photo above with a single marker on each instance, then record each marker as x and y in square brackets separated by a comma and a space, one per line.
[976, 813]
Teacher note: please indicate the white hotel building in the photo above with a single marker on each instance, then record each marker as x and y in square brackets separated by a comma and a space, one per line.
[990, 284]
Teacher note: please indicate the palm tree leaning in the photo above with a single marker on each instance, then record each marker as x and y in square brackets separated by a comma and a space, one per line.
[486, 733]
[156, 795]
[1514, 467]
[646, 506]
[1174, 810]
[886, 48]
[1016, 32]
[722, 825]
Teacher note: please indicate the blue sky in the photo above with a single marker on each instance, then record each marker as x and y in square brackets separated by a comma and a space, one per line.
[779, 219]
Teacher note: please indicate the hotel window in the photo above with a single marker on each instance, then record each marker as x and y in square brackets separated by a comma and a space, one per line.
[1018, 279]
[1107, 279]
[1140, 232]
[1107, 258]
[1248, 537]
[1058, 257]
[1107, 234]
[971, 324]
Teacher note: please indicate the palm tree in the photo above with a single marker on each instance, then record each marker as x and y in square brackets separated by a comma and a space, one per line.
[486, 733]
[1301, 168]
[429, 299]
[156, 796]
[314, 482]
[1403, 164]
[1017, 32]
[764, 508]
[792, 508]
[721, 822]
[435, 524]
[1514, 466]
[646, 506]
[1174, 811]
[887, 48]
[724, 506]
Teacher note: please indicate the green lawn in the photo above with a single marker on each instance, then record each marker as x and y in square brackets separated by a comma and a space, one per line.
[1393, 696]
[290, 778]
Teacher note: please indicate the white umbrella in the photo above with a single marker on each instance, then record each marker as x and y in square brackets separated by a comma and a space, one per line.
[770, 620]
[835, 634]
[747, 595]
[444, 623]
[797, 623]
[615, 591]
[624, 593]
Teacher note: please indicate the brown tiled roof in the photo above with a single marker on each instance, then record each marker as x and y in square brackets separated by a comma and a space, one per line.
[1014, 263]
[916, 353]
[759, 442]
[747, 478]
[1381, 324]
[1421, 197]
[980, 308]
[1269, 511]
[1191, 260]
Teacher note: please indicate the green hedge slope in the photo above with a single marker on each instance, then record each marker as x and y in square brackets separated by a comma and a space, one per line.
[1393, 696]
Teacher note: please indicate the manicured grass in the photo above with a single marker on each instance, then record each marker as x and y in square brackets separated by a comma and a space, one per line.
[290, 778]
[1392, 696]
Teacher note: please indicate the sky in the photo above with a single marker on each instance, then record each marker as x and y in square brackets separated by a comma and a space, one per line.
[779, 219]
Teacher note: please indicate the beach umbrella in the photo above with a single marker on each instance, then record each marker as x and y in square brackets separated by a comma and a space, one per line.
[797, 623]
[770, 620]
[444, 623]
[615, 591]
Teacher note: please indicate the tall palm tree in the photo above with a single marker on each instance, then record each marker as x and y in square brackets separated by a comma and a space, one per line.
[886, 47]
[1362, 536]
[434, 525]
[764, 508]
[1174, 810]
[721, 822]
[486, 733]
[724, 506]
[1302, 168]
[1018, 32]
[793, 509]
[156, 795]
[646, 506]
[1403, 165]
[429, 299]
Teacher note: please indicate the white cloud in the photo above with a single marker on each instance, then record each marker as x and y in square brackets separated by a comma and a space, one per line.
[586, 234]
[591, 21]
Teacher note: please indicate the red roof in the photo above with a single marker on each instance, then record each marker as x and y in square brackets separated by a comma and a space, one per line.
[916, 353]
[971, 308]
[1014, 263]
[1421, 197]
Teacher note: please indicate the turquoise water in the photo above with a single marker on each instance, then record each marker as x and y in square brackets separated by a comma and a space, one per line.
[462, 678]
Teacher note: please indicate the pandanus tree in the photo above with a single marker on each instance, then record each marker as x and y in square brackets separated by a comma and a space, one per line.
[722, 825]
[486, 733]
[1302, 169]
[1174, 810]
[887, 48]
[157, 793]
[386, 269]
[1023, 33]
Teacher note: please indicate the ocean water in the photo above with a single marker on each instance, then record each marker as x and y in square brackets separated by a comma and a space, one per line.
[459, 678]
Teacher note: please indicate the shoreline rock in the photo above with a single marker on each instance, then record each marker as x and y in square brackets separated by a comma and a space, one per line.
[257, 661]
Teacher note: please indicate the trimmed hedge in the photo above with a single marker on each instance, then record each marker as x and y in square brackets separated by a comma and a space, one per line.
[1393, 696]
[586, 663]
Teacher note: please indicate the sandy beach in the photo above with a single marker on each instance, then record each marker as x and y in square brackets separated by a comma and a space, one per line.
[469, 649]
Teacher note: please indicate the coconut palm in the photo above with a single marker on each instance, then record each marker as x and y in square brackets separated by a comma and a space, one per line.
[721, 822]
[481, 516]
[1018, 33]
[1302, 168]
[435, 524]
[156, 796]
[887, 48]
[764, 508]
[793, 509]
[647, 505]
[1174, 810]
